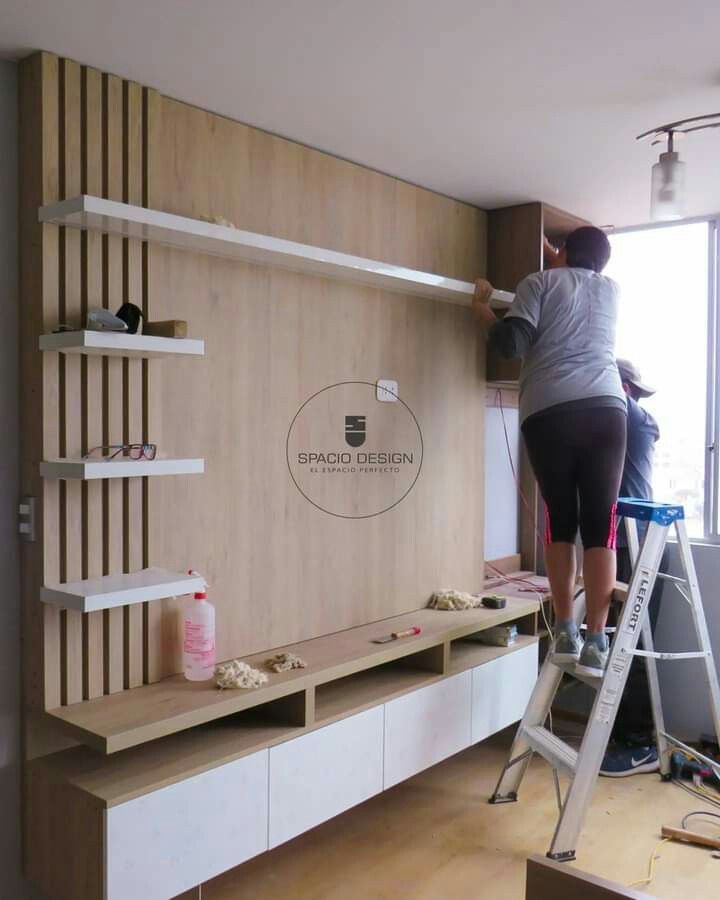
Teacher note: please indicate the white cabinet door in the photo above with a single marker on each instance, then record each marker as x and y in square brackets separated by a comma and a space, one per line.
[318, 775]
[426, 726]
[501, 690]
[167, 842]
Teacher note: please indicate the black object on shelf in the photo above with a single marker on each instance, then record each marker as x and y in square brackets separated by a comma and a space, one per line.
[493, 601]
[131, 315]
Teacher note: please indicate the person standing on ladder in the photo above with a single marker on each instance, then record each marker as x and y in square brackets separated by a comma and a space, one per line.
[573, 415]
[632, 749]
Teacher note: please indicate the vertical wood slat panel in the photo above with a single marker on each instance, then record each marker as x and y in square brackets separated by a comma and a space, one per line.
[71, 566]
[113, 383]
[158, 616]
[51, 489]
[40, 276]
[93, 668]
[133, 382]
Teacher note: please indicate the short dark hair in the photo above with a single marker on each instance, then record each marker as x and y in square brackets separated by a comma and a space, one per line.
[588, 248]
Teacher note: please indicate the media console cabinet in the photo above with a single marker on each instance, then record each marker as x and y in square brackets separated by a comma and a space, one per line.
[183, 781]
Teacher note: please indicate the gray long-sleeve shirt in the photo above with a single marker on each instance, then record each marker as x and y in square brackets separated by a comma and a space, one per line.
[565, 336]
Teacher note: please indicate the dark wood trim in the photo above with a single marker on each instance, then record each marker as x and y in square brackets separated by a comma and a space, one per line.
[549, 880]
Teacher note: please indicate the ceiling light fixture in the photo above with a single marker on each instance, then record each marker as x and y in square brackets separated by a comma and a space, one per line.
[667, 197]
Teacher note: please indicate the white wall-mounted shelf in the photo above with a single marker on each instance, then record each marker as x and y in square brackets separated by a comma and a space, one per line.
[109, 343]
[112, 217]
[89, 469]
[120, 590]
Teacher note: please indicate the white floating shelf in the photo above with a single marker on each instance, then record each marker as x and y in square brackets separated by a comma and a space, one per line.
[120, 590]
[109, 343]
[88, 469]
[109, 216]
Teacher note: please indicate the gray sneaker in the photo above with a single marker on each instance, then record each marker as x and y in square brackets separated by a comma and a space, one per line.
[593, 661]
[566, 647]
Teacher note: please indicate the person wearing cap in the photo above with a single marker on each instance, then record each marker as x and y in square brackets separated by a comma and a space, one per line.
[632, 742]
[573, 416]
[642, 434]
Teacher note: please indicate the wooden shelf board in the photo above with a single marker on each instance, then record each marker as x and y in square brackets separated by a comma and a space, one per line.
[108, 343]
[466, 654]
[140, 770]
[120, 590]
[111, 217]
[354, 693]
[90, 469]
[128, 718]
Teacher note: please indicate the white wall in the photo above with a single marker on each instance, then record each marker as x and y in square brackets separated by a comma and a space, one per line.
[9, 574]
[501, 498]
[682, 685]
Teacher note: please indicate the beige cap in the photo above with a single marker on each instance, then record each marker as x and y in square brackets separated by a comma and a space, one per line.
[631, 374]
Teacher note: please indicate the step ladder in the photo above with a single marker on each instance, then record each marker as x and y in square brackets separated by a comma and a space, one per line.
[583, 766]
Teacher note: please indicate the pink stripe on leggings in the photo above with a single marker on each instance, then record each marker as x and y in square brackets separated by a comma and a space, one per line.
[612, 536]
[548, 528]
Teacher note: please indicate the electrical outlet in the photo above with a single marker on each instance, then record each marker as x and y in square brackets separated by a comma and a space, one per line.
[26, 519]
[387, 390]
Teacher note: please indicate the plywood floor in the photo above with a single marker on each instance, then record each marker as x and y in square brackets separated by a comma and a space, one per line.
[436, 838]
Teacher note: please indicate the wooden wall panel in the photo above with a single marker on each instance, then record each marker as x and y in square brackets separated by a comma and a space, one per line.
[280, 570]
[39, 425]
[212, 166]
[70, 379]
[133, 520]
[162, 618]
[114, 624]
[514, 244]
[92, 139]
[92, 382]
[515, 235]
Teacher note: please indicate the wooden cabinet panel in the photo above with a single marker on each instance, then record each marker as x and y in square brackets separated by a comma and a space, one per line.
[426, 726]
[318, 775]
[170, 840]
[501, 690]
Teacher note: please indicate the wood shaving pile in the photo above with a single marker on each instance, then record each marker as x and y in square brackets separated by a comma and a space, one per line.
[220, 220]
[237, 674]
[283, 662]
[453, 600]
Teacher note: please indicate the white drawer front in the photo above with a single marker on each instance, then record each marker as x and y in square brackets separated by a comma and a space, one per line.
[426, 726]
[166, 842]
[501, 690]
[318, 775]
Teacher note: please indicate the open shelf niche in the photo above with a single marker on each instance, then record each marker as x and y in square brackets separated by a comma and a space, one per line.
[112, 217]
[345, 673]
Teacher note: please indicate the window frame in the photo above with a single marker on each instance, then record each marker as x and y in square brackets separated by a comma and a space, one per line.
[711, 492]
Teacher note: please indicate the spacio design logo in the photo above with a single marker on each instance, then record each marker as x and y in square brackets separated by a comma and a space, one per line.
[352, 456]
[355, 430]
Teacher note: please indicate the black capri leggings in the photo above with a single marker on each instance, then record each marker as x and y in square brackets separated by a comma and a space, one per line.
[578, 457]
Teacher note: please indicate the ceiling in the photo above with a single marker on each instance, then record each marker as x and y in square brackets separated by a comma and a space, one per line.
[491, 103]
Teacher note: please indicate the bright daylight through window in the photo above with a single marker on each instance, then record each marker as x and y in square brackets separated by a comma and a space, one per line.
[663, 329]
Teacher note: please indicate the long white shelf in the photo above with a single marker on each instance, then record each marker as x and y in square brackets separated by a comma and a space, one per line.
[120, 590]
[112, 217]
[109, 343]
[89, 469]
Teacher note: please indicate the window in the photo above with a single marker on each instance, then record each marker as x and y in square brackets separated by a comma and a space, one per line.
[667, 314]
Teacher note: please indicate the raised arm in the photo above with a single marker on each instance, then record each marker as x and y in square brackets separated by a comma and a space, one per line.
[512, 336]
[481, 304]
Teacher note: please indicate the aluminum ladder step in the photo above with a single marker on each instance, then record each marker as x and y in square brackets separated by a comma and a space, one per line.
[569, 669]
[559, 754]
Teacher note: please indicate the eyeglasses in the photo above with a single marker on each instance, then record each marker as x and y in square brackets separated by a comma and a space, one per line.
[134, 451]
